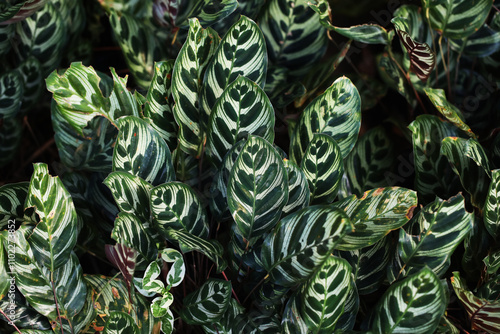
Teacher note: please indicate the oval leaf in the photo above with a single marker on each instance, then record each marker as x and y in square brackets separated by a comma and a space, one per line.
[298, 188]
[492, 207]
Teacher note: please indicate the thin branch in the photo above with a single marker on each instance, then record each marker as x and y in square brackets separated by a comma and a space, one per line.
[55, 299]
[10, 321]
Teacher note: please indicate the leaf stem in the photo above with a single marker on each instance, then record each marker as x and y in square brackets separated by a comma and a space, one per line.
[255, 288]
[55, 300]
[10, 321]
[234, 293]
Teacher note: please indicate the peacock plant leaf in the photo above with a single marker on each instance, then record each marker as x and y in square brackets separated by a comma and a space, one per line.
[242, 52]
[292, 321]
[54, 236]
[456, 18]
[302, 242]
[225, 324]
[470, 162]
[120, 322]
[414, 304]
[482, 43]
[131, 193]
[12, 199]
[324, 295]
[375, 214]
[6, 33]
[159, 105]
[176, 205]
[336, 112]
[298, 188]
[31, 73]
[257, 189]
[207, 304]
[121, 101]
[432, 236]
[19, 10]
[142, 152]
[187, 78]
[11, 93]
[294, 36]
[323, 168]
[10, 139]
[243, 109]
[492, 206]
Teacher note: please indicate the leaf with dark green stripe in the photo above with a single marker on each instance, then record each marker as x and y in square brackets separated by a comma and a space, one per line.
[19, 10]
[55, 235]
[482, 43]
[131, 193]
[469, 161]
[433, 174]
[242, 52]
[207, 304]
[120, 323]
[122, 101]
[188, 242]
[176, 205]
[243, 109]
[31, 73]
[6, 34]
[187, 77]
[187, 167]
[298, 188]
[23, 315]
[295, 38]
[257, 189]
[375, 214]
[370, 161]
[11, 93]
[292, 321]
[141, 151]
[280, 89]
[432, 236]
[456, 18]
[301, 243]
[324, 295]
[159, 105]
[413, 305]
[492, 206]
[10, 139]
[323, 168]
[225, 324]
[12, 198]
[336, 112]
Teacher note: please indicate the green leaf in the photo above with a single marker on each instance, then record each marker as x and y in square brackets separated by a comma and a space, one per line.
[207, 304]
[365, 33]
[492, 262]
[492, 206]
[432, 236]
[120, 323]
[294, 36]
[10, 139]
[292, 320]
[159, 105]
[375, 214]
[175, 205]
[6, 280]
[302, 242]
[456, 18]
[11, 92]
[324, 295]
[242, 52]
[225, 324]
[23, 315]
[280, 89]
[12, 198]
[483, 313]
[208, 12]
[370, 161]
[323, 168]
[20, 10]
[121, 101]
[482, 43]
[257, 189]
[167, 323]
[298, 188]
[142, 152]
[177, 270]
[336, 112]
[243, 109]
[6, 34]
[188, 242]
[31, 73]
[448, 110]
[131, 193]
[55, 235]
[470, 163]
[433, 174]
[187, 77]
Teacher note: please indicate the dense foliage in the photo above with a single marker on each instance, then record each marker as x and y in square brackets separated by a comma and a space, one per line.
[278, 166]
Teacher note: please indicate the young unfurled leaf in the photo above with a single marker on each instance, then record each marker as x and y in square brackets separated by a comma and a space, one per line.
[422, 58]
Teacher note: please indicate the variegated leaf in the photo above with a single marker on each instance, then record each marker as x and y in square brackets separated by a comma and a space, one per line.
[482, 43]
[433, 175]
[31, 73]
[413, 305]
[23, 315]
[121, 101]
[174, 14]
[295, 38]
[187, 167]
[12, 199]
[456, 18]
[120, 323]
[6, 34]
[323, 168]
[433, 235]
[177, 269]
[484, 314]
[187, 77]
[225, 324]
[375, 214]
[11, 93]
[492, 206]
[141, 151]
[469, 161]
[301, 243]
[131, 193]
[10, 138]
[242, 52]
[207, 304]
[19, 10]
[175, 205]
[259, 321]
[325, 293]
[55, 235]
[292, 320]
[280, 89]
[243, 109]
[159, 105]
[336, 112]
[124, 258]
[257, 189]
[298, 188]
